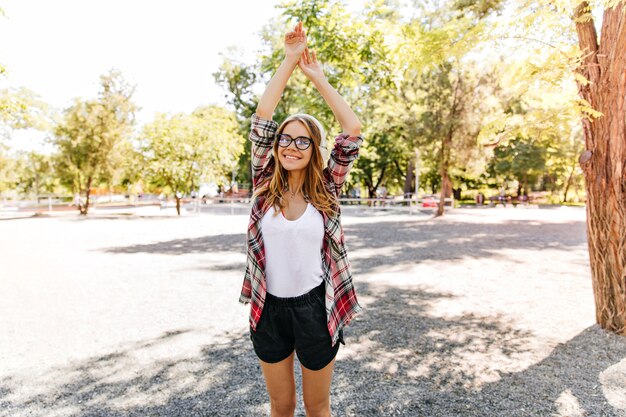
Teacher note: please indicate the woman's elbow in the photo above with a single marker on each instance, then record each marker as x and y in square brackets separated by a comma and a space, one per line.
[353, 129]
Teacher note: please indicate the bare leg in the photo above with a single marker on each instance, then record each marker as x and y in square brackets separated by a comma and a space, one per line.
[281, 386]
[316, 390]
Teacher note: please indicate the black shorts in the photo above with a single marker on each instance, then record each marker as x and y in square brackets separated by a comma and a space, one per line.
[295, 323]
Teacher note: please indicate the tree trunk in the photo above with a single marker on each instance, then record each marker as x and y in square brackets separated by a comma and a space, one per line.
[369, 183]
[408, 181]
[85, 209]
[177, 203]
[445, 179]
[568, 183]
[604, 160]
[446, 146]
[445, 186]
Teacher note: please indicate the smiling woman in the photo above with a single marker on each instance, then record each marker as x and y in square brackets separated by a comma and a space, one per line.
[298, 279]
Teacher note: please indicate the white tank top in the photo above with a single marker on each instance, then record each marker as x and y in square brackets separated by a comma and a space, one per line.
[293, 258]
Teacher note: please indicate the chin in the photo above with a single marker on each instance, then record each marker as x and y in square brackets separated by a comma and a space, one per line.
[290, 166]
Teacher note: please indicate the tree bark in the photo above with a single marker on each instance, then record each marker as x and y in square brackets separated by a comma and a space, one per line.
[408, 181]
[85, 209]
[604, 160]
[177, 204]
[446, 146]
[569, 183]
[446, 185]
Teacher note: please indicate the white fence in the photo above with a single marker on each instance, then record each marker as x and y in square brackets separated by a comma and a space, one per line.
[387, 204]
[53, 203]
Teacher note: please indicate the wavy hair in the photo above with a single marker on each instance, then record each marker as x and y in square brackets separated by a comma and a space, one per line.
[313, 187]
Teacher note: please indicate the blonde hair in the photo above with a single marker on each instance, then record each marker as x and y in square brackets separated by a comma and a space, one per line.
[313, 186]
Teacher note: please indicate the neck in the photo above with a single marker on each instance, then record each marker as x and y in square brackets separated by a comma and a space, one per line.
[295, 179]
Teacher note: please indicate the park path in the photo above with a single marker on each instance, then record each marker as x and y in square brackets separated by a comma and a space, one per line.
[480, 313]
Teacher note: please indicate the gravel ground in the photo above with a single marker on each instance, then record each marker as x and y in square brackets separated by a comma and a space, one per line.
[485, 312]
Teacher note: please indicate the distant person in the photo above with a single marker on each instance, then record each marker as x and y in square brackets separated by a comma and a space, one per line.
[298, 278]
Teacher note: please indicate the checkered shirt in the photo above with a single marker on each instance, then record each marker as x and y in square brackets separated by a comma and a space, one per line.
[341, 301]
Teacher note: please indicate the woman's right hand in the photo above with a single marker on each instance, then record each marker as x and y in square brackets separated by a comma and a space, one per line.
[295, 42]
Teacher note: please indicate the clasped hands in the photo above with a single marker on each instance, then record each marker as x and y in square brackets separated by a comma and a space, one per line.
[296, 48]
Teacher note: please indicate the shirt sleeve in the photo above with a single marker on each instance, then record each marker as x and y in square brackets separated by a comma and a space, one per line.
[342, 157]
[262, 133]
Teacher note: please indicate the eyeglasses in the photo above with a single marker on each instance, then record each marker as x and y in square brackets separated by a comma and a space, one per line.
[302, 142]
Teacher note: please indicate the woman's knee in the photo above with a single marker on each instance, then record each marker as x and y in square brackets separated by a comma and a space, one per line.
[317, 409]
[283, 407]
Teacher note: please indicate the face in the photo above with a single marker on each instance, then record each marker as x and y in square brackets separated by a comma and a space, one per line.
[292, 158]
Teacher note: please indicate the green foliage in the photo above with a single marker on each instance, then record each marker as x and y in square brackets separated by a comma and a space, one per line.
[437, 81]
[22, 109]
[89, 140]
[184, 150]
[433, 78]
[354, 53]
[8, 176]
[35, 174]
[521, 159]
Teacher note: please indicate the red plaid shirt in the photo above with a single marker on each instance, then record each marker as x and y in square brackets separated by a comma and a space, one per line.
[341, 302]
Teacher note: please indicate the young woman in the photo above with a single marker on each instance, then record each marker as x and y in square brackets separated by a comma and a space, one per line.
[298, 279]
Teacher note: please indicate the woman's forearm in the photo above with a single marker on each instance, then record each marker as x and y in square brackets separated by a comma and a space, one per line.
[348, 120]
[274, 90]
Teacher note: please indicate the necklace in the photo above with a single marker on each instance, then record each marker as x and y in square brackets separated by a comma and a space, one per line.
[293, 195]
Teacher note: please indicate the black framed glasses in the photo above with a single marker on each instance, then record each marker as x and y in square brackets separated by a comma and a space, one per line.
[302, 142]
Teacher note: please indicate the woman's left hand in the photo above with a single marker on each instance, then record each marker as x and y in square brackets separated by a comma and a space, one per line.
[310, 66]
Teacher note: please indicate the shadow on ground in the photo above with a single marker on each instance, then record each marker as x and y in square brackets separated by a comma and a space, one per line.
[402, 362]
[205, 244]
[402, 242]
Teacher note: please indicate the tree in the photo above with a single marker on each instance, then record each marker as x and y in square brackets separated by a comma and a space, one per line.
[89, 140]
[450, 122]
[8, 171]
[353, 51]
[239, 80]
[521, 159]
[35, 173]
[602, 88]
[183, 150]
[435, 51]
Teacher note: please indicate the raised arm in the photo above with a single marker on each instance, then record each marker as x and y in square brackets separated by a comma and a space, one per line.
[350, 123]
[295, 43]
[346, 148]
[263, 127]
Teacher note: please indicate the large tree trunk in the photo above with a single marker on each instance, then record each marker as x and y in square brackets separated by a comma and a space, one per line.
[604, 160]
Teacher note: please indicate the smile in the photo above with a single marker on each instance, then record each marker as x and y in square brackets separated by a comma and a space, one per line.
[295, 158]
